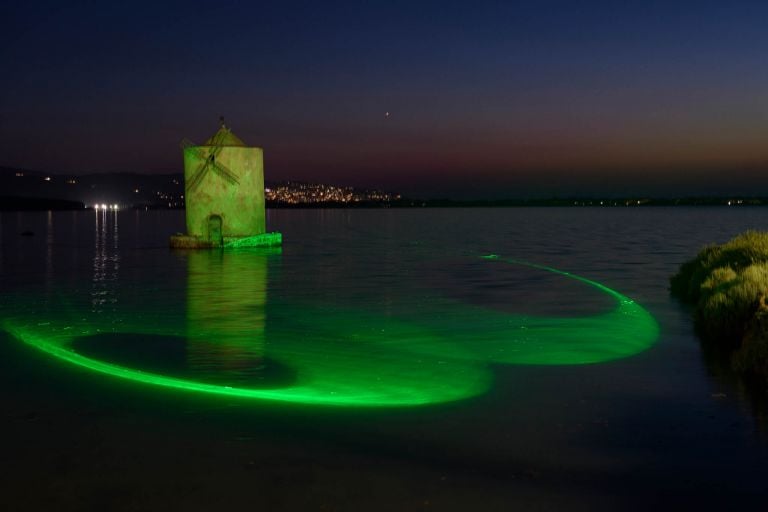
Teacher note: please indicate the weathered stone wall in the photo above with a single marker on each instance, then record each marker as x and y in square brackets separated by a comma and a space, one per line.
[240, 206]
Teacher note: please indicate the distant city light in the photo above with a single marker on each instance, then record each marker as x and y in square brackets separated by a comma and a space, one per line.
[317, 193]
[287, 193]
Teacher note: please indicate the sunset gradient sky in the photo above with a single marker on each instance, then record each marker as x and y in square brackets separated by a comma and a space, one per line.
[485, 99]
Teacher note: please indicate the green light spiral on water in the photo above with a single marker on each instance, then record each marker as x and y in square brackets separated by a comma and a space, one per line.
[356, 358]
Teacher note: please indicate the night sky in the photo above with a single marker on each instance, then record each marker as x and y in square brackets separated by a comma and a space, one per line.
[485, 99]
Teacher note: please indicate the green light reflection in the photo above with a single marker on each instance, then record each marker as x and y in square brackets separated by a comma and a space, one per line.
[351, 357]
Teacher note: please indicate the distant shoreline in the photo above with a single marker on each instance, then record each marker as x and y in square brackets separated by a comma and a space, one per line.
[15, 203]
[522, 203]
[30, 190]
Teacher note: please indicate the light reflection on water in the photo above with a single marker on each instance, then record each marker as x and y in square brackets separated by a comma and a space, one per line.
[226, 312]
[654, 410]
[106, 261]
[375, 339]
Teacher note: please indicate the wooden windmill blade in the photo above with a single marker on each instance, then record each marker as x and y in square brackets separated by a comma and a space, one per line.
[224, 171]
[186, 144]
[217, 146]
[209, 160]
[190, 146]
[197, 177]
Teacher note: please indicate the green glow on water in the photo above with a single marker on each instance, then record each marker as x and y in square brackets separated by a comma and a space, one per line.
[359, 364]
[344, 356]
[261, 240]
[498, 337]
[339, 381]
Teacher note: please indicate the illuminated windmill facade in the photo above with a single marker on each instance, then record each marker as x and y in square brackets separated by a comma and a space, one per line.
[224, 194]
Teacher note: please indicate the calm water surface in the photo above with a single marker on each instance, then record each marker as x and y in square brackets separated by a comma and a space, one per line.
[381, 306]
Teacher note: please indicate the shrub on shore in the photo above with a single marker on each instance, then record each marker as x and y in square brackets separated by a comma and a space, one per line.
[728, 284]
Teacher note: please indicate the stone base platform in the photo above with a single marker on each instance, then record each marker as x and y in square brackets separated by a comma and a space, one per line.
[179, 241]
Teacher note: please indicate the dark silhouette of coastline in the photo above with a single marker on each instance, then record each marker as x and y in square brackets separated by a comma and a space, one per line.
[12, 203]
[35, 190]
[522, 203]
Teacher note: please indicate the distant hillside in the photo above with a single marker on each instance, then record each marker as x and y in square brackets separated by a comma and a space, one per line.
[134, 190]
[125, 189]
[11, 203]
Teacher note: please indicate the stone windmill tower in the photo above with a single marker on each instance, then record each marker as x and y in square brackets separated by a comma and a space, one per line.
[224, 194]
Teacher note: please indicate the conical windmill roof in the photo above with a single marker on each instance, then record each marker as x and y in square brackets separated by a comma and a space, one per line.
[224, 137]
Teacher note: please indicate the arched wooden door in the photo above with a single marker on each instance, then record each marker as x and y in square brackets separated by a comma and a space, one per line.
[215, 230]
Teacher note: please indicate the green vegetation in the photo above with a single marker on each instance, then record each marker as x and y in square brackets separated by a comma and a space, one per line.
[728, 283]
